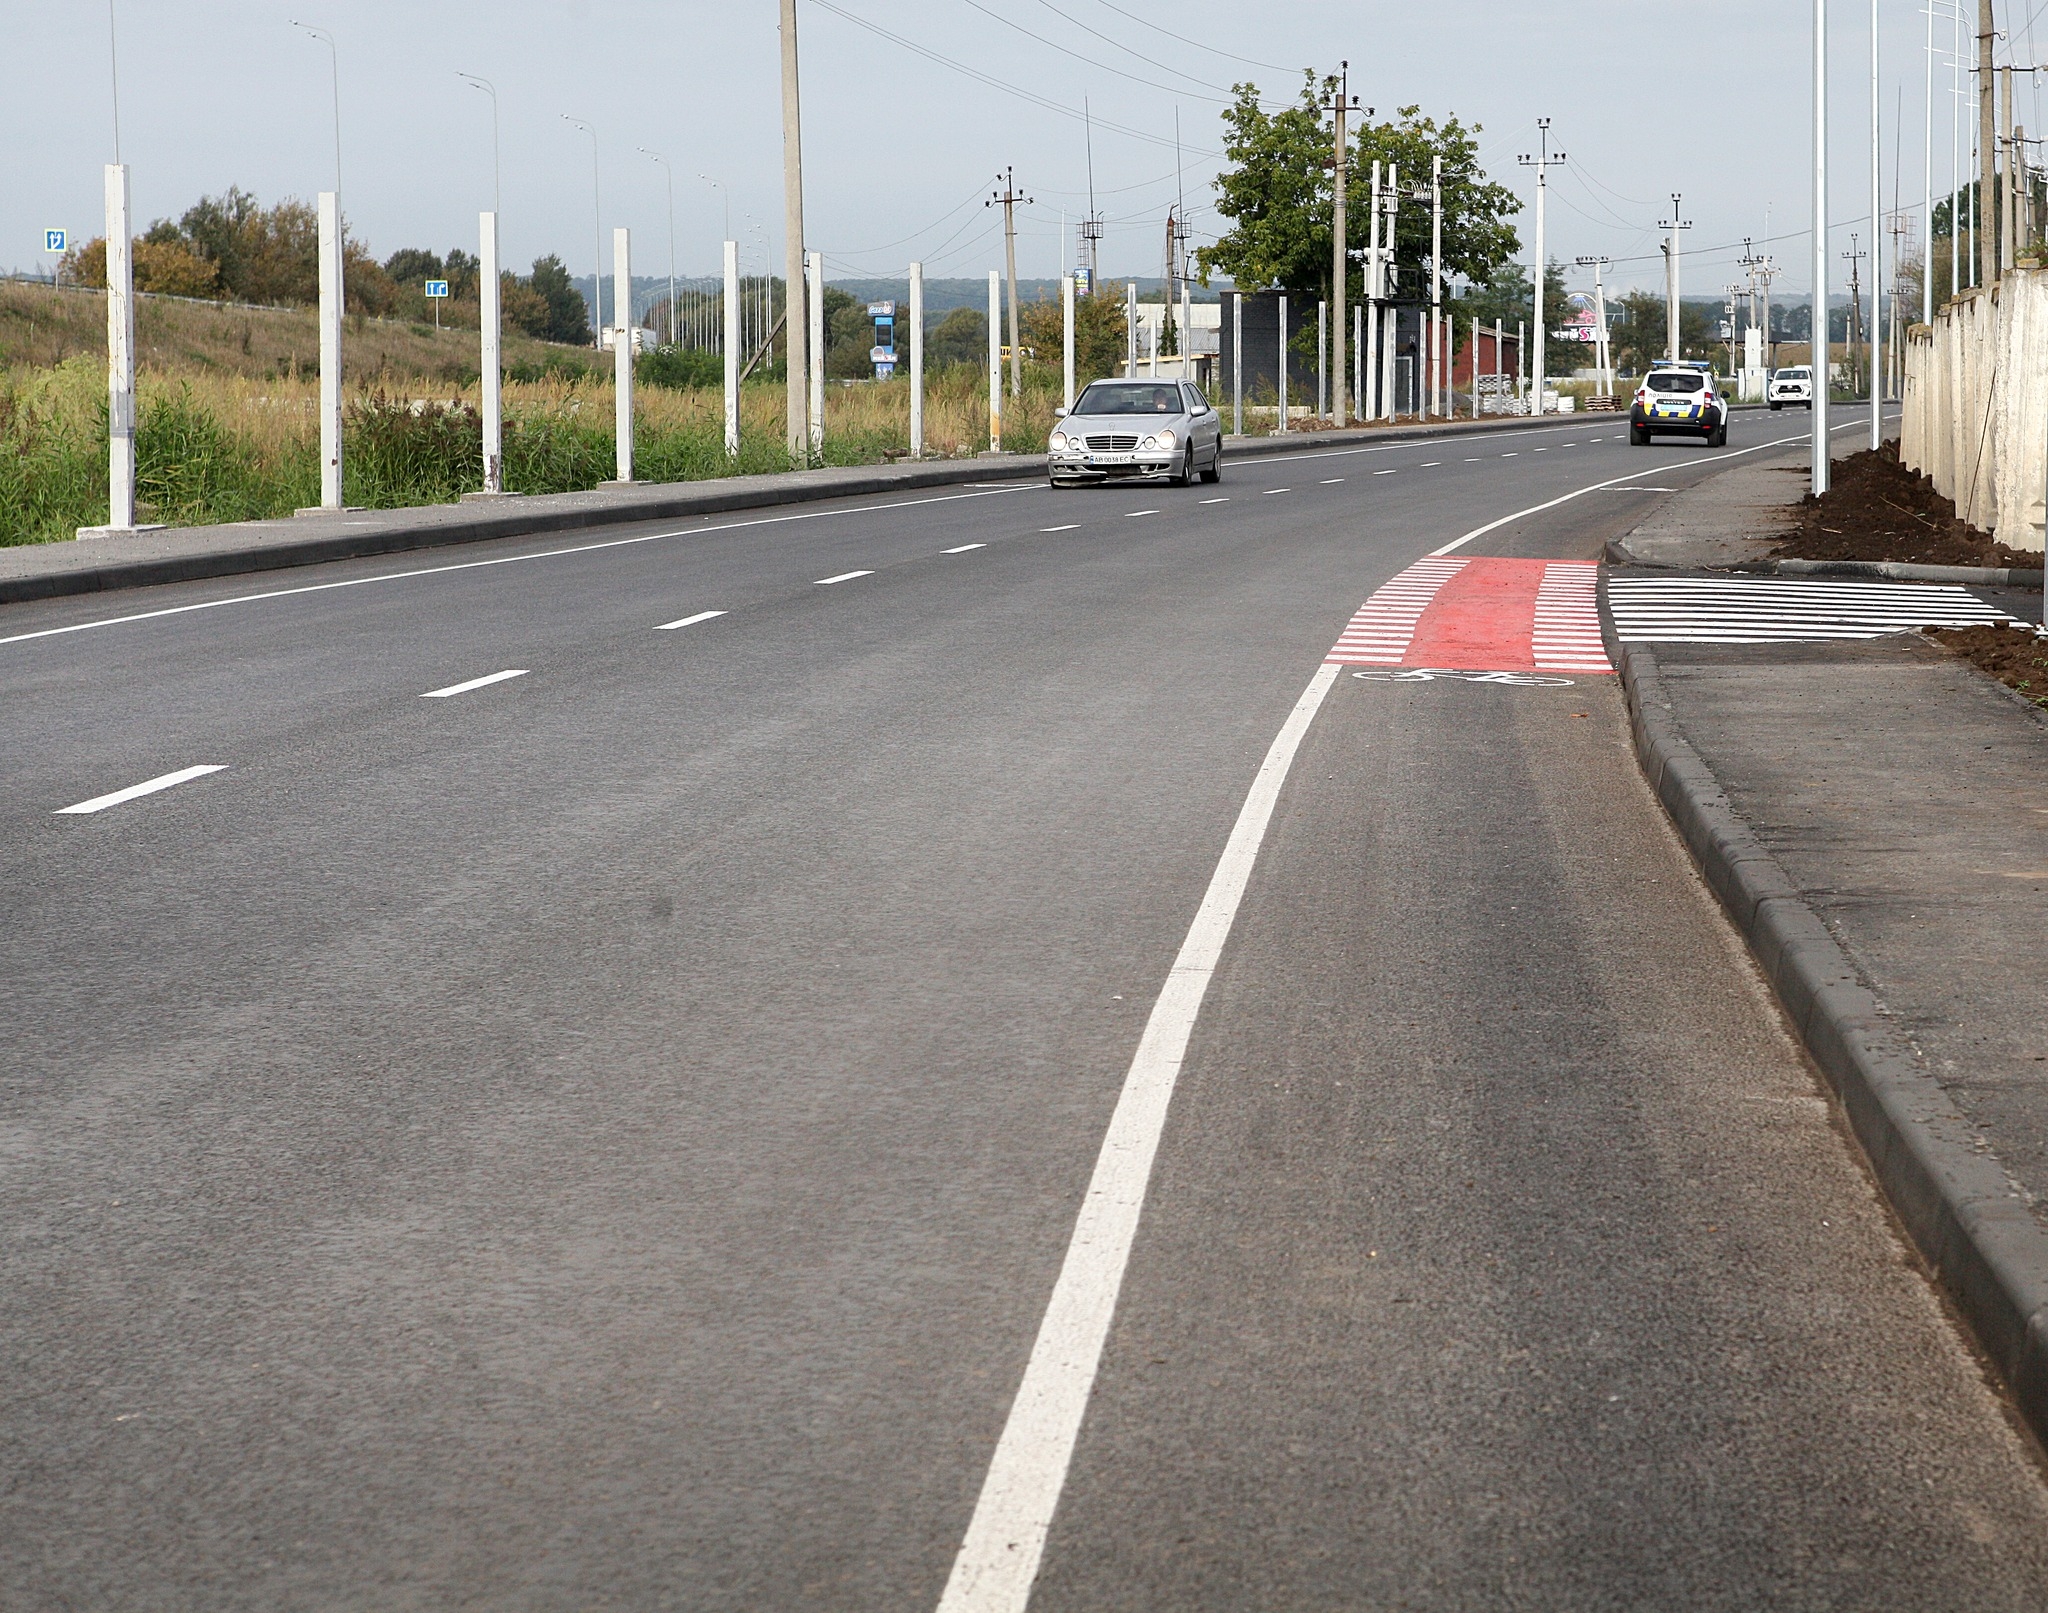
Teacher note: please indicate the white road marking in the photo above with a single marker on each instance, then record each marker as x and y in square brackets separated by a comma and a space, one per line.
[964, 548]
[474, 683]
[1513, 453]
[164, 781]
[1784, 610]
[1071, 526]
[1429, 464]
[1469, 461]
[844, 576]
[498, 560]
[1272, 490]
[1132, 515]
[1616, 482]
[1005, 1539]
[1386, 473]
[687, 621]
[1215, 501]
[1331, 481]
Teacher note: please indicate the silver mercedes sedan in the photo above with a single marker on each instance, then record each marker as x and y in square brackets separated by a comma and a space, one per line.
[1123, 430]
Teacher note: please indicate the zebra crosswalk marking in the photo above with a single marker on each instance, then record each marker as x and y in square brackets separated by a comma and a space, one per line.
[1784, 610]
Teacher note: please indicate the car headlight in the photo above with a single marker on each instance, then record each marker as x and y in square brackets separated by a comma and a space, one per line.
[1159, 439]
[1058, 442]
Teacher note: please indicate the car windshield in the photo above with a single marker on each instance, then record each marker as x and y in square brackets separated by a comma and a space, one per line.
[1674, 381]
[1794, 375]
[1129, 397]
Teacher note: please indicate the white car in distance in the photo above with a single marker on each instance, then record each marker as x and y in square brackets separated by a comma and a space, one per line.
[1792, 384]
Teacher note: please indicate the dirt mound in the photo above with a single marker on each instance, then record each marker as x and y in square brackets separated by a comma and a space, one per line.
[2016, 659]
[1879, 510]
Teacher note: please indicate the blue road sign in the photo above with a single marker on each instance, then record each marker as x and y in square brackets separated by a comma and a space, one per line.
[53, 241]
[437, 288]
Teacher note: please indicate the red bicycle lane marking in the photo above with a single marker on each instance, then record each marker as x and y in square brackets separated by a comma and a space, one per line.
[1491, 614]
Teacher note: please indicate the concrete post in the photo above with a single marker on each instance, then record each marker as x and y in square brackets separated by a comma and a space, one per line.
[1369, 372]
[1818, 337]
[732, 348]
[1322, 358]
[1283, 361]
[330, 351]
[917, 361]
[491, 380]
[1358, 354]
[1131, 329]
[814, 266]
[1439, 381]
[622, 351]
[995, 361]
[2008, 190]
[1067, 340]
[793, 238]
[120, 355]
[1237, 364]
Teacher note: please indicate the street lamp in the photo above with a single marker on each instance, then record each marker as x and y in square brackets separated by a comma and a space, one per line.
[597, 217]
[334, 71]
[490, 89]
[669, 174]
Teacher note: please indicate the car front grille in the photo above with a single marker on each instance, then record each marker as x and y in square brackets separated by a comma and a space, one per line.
[1112, 445]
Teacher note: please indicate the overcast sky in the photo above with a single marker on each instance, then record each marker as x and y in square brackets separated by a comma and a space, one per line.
[1646, 99]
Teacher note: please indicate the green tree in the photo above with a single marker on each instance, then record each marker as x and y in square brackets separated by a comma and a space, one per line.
[1280, 195]
[1099, 333]
[960, 338]
[568, 316]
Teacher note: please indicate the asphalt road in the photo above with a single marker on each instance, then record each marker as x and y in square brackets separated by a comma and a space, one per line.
[609, 1137]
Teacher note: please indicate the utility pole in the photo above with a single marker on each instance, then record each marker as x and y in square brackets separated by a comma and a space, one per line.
[796, 347]
[1876, 247]
[1674, 224]
[1340, 238]
[1091, 226]
[1819, 335]
[1987, 144]
[2008, 190]
[1855, 327]
[1543, 164]
[1008, 198]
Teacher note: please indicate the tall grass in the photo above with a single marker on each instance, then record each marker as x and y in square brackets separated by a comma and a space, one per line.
[212, 447]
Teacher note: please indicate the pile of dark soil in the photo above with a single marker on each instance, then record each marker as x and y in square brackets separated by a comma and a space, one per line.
[2016, 659]
[1879, 510]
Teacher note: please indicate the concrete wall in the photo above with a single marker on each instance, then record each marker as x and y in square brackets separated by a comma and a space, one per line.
[1976, 407]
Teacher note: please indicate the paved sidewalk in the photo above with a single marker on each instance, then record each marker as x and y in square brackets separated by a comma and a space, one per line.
[1900, 798]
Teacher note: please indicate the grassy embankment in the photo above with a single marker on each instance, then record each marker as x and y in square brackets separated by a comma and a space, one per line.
[228, 420]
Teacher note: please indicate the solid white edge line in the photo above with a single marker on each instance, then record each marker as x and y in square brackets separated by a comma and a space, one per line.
[162, 781]
[687, 621]
[999, 1557]
[1616, 481]
[474, 683]
[499, 560]
[844, 576]
[964, 548]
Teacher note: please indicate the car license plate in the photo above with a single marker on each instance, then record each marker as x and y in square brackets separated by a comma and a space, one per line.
[1112, 459]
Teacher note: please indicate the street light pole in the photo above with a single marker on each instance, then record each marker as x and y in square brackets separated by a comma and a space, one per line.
[795, 343]
[1818, 345]
[334, 72]
[597, 220]
[1674, 324]
[478, 83]
[668, 174]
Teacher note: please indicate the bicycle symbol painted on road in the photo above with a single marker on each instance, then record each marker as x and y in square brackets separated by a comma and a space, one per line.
[1520, 680]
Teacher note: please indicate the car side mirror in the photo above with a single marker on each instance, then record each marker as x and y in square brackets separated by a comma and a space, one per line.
[1059, 414]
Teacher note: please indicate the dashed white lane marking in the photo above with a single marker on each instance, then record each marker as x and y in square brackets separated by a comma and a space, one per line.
[1566, 633]
[1132, 515]
[162, 781]
[1272, 490]
[1005, 1538]
[1429, 464]
[1071, 526]
[1379, 635]
[964, 548]
[1386, 473]
[1513, 453]
[1330, 481]
[1215, 501]
[844, 576]
[687, 621]
[1469, 461]
[474, 683]
[1784, 610]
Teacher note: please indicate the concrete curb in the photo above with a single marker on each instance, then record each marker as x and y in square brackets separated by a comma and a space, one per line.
[1620, 554]
[185, 554]
[1964, 1215]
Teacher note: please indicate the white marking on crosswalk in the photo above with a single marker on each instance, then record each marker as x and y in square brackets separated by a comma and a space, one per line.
[1784, 610]
[1566, 633]
[1379, 635]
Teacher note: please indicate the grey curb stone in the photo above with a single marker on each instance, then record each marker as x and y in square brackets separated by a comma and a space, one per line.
[1964, 1214]
[1620, 554]
[184, 554]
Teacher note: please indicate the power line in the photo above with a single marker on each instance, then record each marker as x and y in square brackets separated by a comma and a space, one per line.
[1086, 61]
[1075, 22]
[1227, 55]
[991, 81]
